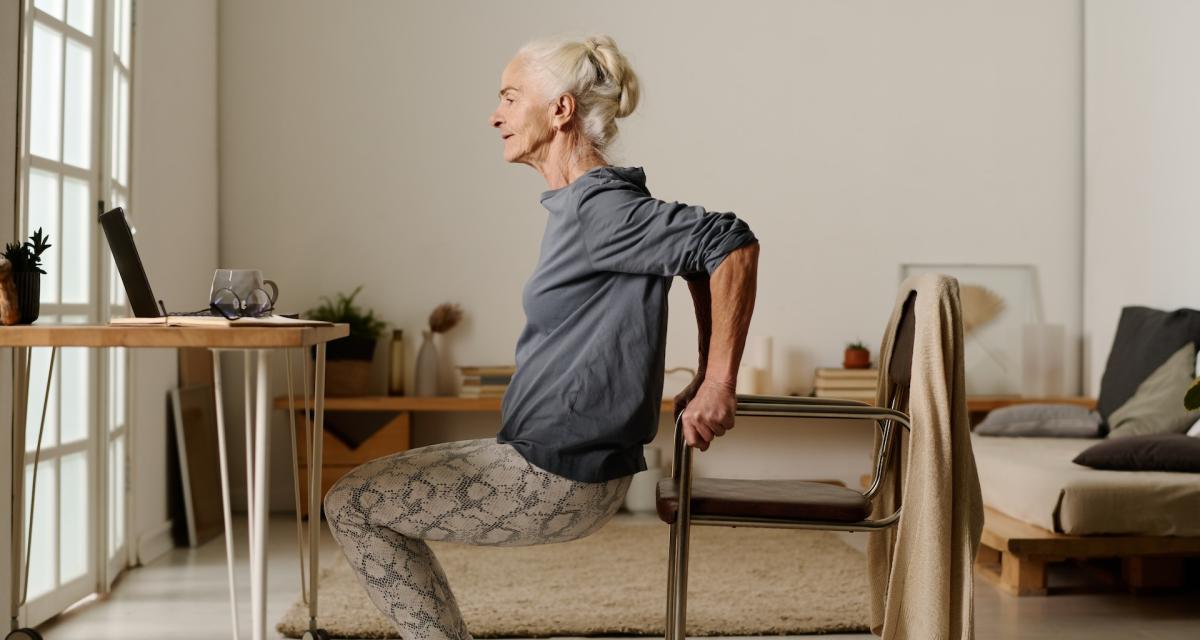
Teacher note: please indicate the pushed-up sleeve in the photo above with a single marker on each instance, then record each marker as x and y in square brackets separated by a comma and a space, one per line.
[626, 230]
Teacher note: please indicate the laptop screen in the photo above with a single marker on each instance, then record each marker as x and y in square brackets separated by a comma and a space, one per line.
[129, 264]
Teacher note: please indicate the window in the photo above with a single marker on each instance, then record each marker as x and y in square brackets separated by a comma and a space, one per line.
[75, 162]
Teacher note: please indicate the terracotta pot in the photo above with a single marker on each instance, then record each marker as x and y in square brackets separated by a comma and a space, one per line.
[29, 291]
[857, 359]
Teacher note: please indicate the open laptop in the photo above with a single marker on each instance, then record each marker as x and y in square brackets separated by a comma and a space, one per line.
[129, 264]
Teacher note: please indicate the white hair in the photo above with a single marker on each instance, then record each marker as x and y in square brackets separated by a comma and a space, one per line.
[595, 73]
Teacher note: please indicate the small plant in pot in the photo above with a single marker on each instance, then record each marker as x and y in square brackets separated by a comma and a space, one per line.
[348, 360]
[25, 260]
[857, 356]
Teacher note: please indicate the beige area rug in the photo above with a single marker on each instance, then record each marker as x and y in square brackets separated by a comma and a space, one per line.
[742, 581]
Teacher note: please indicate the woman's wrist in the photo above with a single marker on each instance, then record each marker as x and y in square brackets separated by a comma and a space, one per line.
[722, 383]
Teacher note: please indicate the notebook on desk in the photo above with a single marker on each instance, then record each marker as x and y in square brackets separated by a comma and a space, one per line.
[218, 321]
[141, 297]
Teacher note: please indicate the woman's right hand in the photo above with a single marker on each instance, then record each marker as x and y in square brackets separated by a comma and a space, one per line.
[684, 397]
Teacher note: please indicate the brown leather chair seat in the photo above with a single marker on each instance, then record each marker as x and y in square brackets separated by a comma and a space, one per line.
[786, 499]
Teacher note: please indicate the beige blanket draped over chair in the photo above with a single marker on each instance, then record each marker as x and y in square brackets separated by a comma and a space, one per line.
[921, 571]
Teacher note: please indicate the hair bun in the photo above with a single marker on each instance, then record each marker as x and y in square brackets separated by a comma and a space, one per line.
[615, 66]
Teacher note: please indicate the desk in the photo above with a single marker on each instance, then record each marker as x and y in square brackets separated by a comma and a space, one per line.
[255, 343]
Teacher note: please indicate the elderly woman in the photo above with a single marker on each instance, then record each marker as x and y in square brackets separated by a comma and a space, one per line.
[586, 393]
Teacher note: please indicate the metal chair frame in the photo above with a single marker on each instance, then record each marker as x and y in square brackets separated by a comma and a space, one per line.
[772, 406]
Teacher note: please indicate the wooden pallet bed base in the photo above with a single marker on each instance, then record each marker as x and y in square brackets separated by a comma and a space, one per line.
[1015, 553]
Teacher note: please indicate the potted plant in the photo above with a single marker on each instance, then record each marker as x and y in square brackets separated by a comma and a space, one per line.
[348, 359]
[857, 356]
[26, 261]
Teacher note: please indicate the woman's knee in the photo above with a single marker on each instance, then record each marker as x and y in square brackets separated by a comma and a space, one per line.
[339, 496]
[347, 491]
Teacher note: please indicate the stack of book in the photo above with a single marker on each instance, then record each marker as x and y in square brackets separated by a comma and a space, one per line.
[485, 381]
[849, 384]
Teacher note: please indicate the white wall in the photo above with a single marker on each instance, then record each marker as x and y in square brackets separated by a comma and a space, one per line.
[1143, 151]
[174, 205]
[10, 17]
[852, 136]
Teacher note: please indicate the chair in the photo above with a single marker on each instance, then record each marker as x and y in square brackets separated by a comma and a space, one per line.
[795, 504]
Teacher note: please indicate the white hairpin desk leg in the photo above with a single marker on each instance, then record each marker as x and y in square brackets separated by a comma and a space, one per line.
[20, 399]
[314, 498]
[248, 417]
[258, 588]
[224, 455]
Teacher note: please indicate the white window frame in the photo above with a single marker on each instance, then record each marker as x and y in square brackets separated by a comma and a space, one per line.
[104, 564]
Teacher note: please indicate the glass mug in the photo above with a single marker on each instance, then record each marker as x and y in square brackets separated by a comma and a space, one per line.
[240, 292]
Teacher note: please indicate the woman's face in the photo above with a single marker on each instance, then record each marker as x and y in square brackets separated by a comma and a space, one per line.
[523, 116]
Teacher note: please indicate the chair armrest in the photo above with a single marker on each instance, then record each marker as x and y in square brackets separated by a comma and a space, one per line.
[883, 418]
[797, 400]
[825, 411]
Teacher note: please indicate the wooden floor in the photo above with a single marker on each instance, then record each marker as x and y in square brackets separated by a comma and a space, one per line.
[184, 595]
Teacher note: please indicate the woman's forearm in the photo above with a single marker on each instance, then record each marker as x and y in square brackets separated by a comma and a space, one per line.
[732, 285]
[702, 300]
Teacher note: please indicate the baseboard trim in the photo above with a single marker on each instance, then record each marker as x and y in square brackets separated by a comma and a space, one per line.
[152, 544]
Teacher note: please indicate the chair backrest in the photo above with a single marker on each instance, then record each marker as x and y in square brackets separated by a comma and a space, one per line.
[899, 369]
[897, 376]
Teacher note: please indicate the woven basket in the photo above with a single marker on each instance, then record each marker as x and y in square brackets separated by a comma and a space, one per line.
[345, 378]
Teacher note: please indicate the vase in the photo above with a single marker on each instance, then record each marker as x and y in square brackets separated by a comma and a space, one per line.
[29, 290]
[426, 373]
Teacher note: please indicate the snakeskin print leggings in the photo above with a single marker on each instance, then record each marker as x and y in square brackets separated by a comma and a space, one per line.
[477, 492]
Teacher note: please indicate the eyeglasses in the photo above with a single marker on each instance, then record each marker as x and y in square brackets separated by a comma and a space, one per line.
[227, 303]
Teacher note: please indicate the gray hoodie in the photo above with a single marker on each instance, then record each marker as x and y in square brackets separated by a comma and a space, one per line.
[588, 385]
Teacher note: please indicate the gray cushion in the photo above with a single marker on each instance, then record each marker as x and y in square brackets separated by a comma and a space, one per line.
[1157, 406]
[1145, 338]
[1154, 452]
[1041, 420]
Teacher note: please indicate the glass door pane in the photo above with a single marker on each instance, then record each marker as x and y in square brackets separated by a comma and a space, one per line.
[75, 515]
[43, 565]
[45, 90]
[77, 123]
[43, 214]
[75, 388]
[80, 15]
[39, 362]
[116, 495]
[76, 241]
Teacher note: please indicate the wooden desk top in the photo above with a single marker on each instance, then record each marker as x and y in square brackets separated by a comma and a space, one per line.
[83, 335]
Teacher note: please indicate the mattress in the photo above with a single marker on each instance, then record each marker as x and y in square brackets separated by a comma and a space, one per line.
[1034, 480]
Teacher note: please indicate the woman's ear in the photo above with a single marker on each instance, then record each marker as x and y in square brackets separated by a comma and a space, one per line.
[562, 111]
